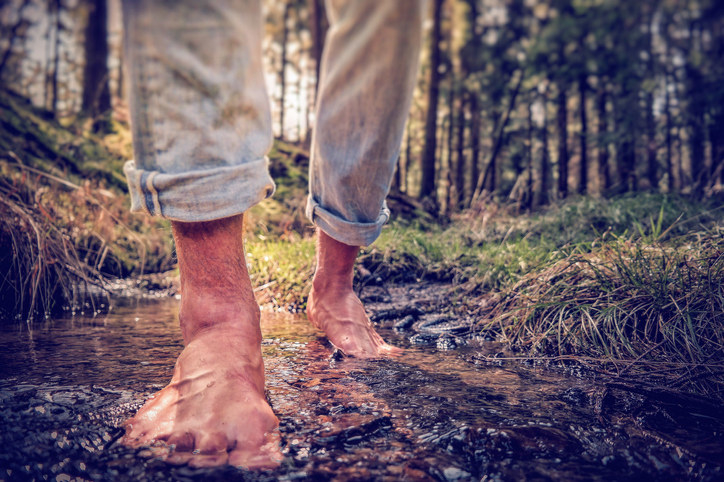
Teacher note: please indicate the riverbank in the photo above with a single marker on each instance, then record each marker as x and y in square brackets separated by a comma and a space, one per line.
[630, 285]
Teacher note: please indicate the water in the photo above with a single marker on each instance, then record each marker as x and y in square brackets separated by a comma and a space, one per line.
[67, 384]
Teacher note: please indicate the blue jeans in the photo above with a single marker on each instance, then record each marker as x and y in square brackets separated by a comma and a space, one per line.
[201, 119]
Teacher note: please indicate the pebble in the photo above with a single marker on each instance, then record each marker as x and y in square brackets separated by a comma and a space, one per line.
[454, 473]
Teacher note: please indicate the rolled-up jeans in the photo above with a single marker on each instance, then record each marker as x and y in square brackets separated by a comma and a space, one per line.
[201, 120]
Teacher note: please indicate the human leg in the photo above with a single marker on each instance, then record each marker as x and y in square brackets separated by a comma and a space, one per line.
[201, 128]
[199, 108]
[367, 77]
[333, 306]
[214, 411]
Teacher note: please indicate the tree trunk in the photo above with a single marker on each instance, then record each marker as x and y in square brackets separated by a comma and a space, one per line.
[48, 55]
[475, 119]
[283, 68]
[449, 200]
[603, 154]
[300, 96]
[625, 148]
[14, 35]
[652, 168]
[396, 180]
[545, 158]
[529, 197]
[319, 26]
[56, 59]
[583, 175]
[562, 143]
[460, 152]
[427, 184]
[717, 56]
[696, 108]
[679, 157]
[408, 155]
[696, 127]
[96, 101]
[440, 161]
[489, 172]
[667, 111]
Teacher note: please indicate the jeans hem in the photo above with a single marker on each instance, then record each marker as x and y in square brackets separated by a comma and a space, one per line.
[202, 195]
[347, 232]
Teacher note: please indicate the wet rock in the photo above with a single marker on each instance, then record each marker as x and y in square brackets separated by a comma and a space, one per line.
[454, 473]
[374, 298]
[446, 342]
[395, 313]
[424, 338]
[405, 323]
[542, 440]
[442, 324]
[354, 428]
[575, 396]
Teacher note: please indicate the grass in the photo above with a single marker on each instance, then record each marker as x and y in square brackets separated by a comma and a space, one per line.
[651, 305]
[280, 269]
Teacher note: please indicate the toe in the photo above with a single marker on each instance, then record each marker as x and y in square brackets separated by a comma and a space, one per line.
[209, 460]
[179, 458]
[253, 461]
[266, 456]
[181, 441]
[389, 350]
[212, 443]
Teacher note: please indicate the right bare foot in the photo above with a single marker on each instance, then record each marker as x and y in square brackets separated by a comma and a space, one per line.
[333, 306]
[214, 411]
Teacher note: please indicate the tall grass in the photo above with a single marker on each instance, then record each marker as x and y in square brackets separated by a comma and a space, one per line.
[654, 306]
[64, 221]
[61, 242]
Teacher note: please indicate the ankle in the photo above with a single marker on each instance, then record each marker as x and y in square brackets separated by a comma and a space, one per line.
[335, 264]
[202, 314]
[325, 281]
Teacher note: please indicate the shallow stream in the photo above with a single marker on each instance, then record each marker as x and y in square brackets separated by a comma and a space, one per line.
[67, 384]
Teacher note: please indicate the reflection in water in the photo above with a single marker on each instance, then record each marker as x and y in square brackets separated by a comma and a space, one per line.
[67, 384]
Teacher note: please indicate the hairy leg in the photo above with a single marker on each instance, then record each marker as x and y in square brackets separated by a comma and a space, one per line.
[333, 306]
[214, 410]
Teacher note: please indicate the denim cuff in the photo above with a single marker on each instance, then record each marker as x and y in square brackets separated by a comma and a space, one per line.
[347, 232]
[201, 195]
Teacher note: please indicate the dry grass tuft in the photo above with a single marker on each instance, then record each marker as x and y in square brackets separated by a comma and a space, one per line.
[639, 304]
[60, 242]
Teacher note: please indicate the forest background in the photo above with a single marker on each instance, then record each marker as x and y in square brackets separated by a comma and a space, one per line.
[561, 173]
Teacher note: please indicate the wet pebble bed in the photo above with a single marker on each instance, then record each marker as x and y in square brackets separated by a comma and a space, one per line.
[439, 412]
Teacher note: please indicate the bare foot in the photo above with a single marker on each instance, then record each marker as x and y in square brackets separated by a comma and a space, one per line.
[333, 306]
[214, 411]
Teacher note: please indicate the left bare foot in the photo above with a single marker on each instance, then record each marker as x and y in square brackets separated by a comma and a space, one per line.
[334, 308]
[214, 411]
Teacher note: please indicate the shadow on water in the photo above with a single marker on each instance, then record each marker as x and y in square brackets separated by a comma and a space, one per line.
[66, 385]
